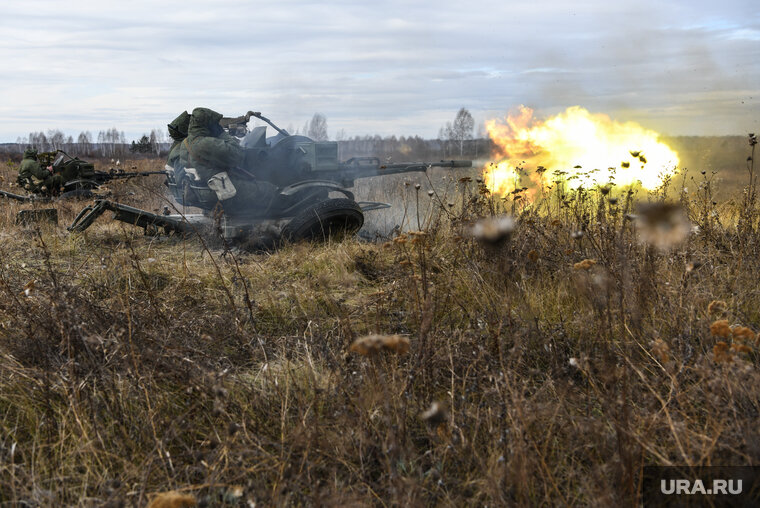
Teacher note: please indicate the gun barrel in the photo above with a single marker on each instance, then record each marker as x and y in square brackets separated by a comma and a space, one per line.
[452, 164]
[422, 166]
[101, 176]
[129, 174]
[366, 167]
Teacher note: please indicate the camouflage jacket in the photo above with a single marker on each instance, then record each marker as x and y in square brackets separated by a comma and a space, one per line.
[178, 132]
[209, 149]
[30, 172]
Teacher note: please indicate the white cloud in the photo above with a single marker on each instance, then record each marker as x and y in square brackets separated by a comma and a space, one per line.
[390, 67]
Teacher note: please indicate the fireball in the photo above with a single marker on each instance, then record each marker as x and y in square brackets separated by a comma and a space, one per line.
[581, 148]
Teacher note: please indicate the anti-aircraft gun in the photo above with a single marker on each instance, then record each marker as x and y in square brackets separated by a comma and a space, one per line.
[79, 176]
[312, 200]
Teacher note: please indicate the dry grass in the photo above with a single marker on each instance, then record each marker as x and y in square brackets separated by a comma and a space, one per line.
[544, 369]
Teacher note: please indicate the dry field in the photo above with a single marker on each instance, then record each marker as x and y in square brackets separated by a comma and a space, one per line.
[542, 364]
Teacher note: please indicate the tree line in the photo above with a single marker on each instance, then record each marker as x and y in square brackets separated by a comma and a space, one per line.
[455, 139]
[108, 143]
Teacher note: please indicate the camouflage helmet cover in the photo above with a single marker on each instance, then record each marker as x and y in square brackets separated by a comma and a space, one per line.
[178, 126]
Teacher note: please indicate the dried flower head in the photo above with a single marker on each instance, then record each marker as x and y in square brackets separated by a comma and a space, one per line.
[435, 415]
[741, 348]
[28, 288]
[492, 230]
[586, 264]
[373, 344]
[722, 353]
[716, 307]
[694, 265]
[743, 334]
[581, 363]
[172, 500]
[662, 225]
[721, 329]
[661, 350]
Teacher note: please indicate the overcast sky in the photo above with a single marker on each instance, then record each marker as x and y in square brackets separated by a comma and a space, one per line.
[387, 67]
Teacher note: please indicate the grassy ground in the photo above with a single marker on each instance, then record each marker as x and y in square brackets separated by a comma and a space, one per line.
[546, 365]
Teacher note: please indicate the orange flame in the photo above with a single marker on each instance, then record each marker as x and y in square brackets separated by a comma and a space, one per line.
[584, 148]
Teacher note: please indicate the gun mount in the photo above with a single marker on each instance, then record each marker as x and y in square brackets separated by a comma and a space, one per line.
[312, 198]
[328, 218]
[79, 176]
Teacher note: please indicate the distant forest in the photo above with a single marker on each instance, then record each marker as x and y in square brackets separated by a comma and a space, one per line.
[698, 153]
[456, 139]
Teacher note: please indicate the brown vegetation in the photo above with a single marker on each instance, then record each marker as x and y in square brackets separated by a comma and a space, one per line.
[546, 368]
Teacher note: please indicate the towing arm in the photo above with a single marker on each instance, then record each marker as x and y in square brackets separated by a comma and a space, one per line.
[146, 220]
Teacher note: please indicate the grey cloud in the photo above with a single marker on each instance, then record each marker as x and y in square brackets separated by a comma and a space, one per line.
[376, 67]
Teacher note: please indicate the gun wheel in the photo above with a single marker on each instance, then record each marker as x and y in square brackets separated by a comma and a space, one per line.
[332, 218]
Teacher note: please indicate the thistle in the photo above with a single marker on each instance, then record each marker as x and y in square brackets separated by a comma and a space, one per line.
[720, 329]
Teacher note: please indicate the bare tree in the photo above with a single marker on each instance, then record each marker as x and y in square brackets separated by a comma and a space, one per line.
[445, 135]
[481, 135]
[462, 127]
[122, 143]
[102, 143]
[38, 140]
[56, 139]
[318, 127]
[84, 140]
[156, 141]
[153, 140]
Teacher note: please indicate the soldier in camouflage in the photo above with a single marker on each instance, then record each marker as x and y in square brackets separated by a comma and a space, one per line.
[215, 158]
[36, 179]
[178, 132]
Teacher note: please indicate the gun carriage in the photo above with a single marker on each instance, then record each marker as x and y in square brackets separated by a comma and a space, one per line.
[312, 199]
[79, 176]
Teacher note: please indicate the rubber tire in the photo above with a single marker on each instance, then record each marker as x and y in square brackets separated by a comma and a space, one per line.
[333, 217]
